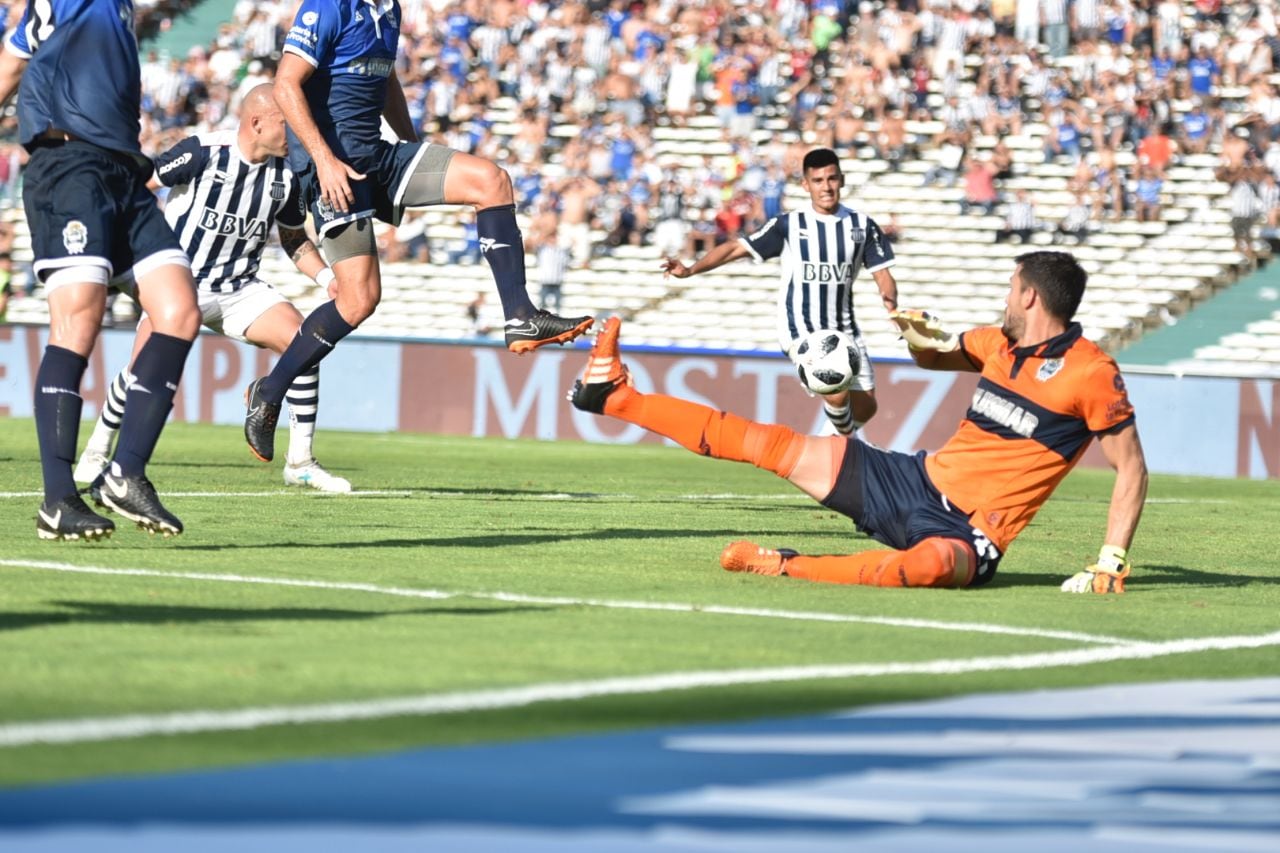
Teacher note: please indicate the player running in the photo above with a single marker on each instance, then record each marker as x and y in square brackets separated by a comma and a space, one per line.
[335, 83]
[822, 248]
[229, 189]
[1045, 392]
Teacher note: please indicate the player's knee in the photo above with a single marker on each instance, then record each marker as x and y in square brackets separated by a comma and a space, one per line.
[179, 320]
[938, 562]
[492, 185]
[864, 406]
[356, 306]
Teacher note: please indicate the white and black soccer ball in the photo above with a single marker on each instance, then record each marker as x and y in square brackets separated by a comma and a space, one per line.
[827, 361]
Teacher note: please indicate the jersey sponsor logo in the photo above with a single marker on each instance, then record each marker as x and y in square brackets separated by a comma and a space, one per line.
[75, 237]
[1004, 412]
[823, 273]
[367, 66]
[309, 18]
[174, 163]
[304, 37]
[1049, 369]
[241, 227]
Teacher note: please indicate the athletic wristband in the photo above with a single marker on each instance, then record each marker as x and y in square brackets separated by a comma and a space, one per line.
[325, 277]
[1111, 558]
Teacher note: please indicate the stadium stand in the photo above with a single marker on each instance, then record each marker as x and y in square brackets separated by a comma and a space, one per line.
[722, 98]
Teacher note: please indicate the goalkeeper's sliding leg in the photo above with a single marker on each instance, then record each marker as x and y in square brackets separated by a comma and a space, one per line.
[814, 464]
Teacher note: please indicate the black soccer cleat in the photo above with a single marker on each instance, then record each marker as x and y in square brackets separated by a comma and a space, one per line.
[260, 422]
[135, 498]
[544, 328]
[71, 519]
[604, 373]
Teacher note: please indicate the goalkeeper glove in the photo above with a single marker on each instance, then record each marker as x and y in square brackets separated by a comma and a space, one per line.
[922, 331]
[1106, 575]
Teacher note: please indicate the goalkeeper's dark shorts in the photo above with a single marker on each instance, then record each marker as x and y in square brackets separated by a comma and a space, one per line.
[890, 498]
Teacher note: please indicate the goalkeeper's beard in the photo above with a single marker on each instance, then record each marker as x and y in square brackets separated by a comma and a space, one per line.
[1012, 328]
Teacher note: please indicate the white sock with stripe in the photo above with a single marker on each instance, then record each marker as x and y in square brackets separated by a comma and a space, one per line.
[303, 398]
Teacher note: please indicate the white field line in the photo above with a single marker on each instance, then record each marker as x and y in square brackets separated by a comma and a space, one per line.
[560, 496]
[515, 597]
[190, 722]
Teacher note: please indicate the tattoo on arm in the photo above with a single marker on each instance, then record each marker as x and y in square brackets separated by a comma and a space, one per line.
[295, 243]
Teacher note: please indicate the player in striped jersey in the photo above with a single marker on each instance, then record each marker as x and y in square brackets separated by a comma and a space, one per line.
[229, 189]
[1044, 394]
[822, 247]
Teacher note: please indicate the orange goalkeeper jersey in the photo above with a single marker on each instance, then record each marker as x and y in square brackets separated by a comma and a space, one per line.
[1032, 416]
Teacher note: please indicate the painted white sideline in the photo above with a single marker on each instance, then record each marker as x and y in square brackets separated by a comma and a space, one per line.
[190, 722]
[514, 597]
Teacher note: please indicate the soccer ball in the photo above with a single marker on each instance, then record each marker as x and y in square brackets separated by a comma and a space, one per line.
[827, 361]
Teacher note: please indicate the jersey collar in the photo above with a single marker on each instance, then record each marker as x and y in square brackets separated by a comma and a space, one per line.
[379, 9]
[841, 211]
[1055, 347]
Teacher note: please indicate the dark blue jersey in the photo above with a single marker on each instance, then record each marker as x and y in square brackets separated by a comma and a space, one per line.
[82, 72]
[352, 45]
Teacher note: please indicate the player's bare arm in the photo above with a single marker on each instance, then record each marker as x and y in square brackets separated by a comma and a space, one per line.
[11, 68]
[720, 255]
[396, 111]
[334, 175]
[1123, 450]
[888, 286]
[1107, 574]
[298, 246]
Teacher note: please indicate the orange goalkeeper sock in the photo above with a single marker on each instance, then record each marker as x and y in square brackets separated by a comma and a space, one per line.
[709, 432]
[935, 562]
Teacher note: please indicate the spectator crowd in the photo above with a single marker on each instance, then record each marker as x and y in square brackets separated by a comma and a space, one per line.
[1123, 88]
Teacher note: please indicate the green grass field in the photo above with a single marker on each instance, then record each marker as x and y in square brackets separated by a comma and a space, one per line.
[526, 543]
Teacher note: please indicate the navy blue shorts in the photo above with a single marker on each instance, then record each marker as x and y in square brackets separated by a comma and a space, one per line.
[386, 169]
[890, 498]
[87, 206]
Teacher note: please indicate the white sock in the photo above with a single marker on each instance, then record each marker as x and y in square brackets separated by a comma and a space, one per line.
[303, 397]
[108, 423]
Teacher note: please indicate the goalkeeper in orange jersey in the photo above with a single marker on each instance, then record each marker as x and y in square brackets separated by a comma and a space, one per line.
[1045, 392]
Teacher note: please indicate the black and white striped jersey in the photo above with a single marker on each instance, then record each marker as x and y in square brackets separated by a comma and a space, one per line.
[821, 256]
[222, 207]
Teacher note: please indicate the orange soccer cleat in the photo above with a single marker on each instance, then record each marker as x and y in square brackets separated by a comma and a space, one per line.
[749, 557]
[604, 373]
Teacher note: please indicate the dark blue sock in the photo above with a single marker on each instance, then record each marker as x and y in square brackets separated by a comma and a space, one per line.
[498, 230]
[156, 372]
[57, 410]
[319, 334]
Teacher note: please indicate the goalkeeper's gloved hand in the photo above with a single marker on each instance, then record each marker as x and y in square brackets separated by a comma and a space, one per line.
[922, 331]
[1106, 575]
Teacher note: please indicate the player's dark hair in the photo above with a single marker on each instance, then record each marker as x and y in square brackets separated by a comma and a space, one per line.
[1057, 278]
[820, 158]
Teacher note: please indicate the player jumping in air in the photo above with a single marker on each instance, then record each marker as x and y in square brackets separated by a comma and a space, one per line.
[229, 189]
[1045, 392]
[335, 84]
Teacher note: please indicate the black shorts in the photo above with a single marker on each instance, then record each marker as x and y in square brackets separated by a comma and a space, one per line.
[383, 193]
[890, 498]
[87, 206]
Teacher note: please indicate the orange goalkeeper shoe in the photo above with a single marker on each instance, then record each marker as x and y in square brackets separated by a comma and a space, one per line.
[749, 557]
[605, 372]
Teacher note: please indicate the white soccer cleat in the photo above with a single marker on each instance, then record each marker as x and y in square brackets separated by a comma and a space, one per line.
[91, 464]
[311, 475]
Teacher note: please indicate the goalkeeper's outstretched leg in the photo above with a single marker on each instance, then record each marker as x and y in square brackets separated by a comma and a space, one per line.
[814, 464]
